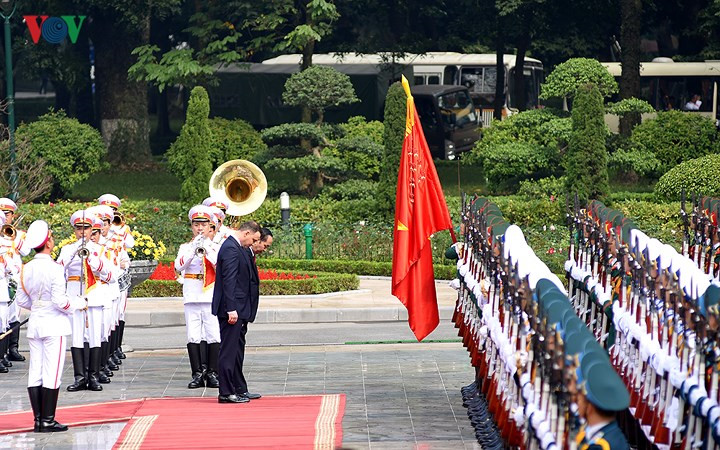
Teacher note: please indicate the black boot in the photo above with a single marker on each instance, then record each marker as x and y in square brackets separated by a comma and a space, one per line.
[114, 339]
[197, 375]
[13, 340]
[204, 356]
[105, 373]
[47, 417]
[211, 375]
[3, 367]
[121, 332]
[78, 360]
[107, 355]
[4, 344]
[94, 369]
[35, 393]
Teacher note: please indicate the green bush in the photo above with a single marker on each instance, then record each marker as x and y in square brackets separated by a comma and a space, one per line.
[506, 165]
[352, 190]
[71, 150]
[586, 159]
[699, 176]
[357, 126]
[523, 127]
[360, 155]
[529, 212]
[661, 221]
[568, 77]
[674, 137]
[323, 282]
[318, 88]
[189, 156]
[542, 188]
[638, 161]
[233, 139]
[393, 135]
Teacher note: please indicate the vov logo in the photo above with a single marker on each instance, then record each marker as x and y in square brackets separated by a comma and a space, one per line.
[54, 29]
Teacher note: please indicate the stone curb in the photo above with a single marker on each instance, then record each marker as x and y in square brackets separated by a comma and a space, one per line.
[168, 318]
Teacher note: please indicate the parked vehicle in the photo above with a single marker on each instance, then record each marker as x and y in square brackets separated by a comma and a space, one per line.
[448, 118]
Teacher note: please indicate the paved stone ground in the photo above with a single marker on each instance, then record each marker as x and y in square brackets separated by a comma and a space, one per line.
[398, 395]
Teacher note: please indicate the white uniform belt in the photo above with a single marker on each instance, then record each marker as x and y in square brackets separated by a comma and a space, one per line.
[41, 302]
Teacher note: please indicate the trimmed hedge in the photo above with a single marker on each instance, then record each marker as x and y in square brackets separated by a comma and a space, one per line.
[325, 282]
[698, 176]
[384, 269]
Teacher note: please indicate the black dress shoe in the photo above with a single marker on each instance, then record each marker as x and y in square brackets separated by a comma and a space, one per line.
[211, 380]
[232, 398]
[119, 353]
[111, 364]
[103, 378]
[197, 381]
[51, 427]
[3, 369]
[6, 362]
[250, 396]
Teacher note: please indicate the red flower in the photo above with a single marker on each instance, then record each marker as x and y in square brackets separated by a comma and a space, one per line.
[51, 204]
[156, 209]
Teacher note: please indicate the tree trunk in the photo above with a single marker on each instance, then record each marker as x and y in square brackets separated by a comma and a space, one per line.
[520, 94]
[307, 54]
[122, 104]
[500, 70]
[630, 11]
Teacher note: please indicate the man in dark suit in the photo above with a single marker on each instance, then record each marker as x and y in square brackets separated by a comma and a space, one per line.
[235, 304]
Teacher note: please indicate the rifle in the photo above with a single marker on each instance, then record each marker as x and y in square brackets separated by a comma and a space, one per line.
[686, 233]
[13, 329]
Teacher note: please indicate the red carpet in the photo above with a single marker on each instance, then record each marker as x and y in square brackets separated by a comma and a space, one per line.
[289, 422]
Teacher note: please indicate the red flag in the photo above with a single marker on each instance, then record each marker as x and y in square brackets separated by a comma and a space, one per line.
[420, 211]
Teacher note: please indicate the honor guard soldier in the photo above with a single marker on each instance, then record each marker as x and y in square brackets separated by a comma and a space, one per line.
[17, 249]
[602, 394]
[123, 240]
[85, 271]
[115, 252]
[42, 291]
[222, 232]
[195, 263]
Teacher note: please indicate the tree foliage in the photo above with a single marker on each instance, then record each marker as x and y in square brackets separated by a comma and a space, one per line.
[674, 136]
[72, 151]
[586, 160]
[319, 88]
[697, 175]
[394, 133]
[630, 105]
[571, 75]
[189, 155]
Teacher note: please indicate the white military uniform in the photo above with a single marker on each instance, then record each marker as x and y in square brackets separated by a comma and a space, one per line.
[42, 291]
[197, 298]
[122, 241]
[97, 294]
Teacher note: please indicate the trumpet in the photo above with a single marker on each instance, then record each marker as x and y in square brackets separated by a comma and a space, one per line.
[83, 251]
[200, 247]
[118, 219]
[8, 231]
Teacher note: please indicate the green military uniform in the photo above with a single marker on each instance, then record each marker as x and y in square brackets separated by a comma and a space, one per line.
[609, 437]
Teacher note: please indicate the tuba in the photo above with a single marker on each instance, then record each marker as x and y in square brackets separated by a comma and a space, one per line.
[241, 183]
[8, 231]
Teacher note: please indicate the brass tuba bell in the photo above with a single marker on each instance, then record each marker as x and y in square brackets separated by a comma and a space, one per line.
[241, 183]
[8, 231]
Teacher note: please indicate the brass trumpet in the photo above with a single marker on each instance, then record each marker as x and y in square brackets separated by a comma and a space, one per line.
[200, 248]
[83, 251]
[8, 231]
[118, 219]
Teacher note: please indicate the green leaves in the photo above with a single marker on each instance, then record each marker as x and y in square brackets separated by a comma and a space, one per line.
[630, 105]
[699, 176]
[319, 88]
[567, 78]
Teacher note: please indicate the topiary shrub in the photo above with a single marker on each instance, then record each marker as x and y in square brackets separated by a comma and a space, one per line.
[638, 162]
[360, 155]
[698, 176]
[393, 135]
[508, 164]
[549, 187]
[357, 126]
[189, 157]
[568, 77]
[318, 88]
[674, 137]
[586, 159]
[234, 139]
[72, 151]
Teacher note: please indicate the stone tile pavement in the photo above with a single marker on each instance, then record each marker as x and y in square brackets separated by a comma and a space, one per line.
[399, 396]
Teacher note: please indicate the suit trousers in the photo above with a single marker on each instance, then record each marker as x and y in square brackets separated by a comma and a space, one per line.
[232, 349]
[47, 357]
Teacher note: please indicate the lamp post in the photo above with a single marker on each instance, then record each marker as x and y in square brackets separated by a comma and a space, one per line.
[285, 209]
[8, 9]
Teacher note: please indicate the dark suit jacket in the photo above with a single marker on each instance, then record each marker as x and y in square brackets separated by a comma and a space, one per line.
[233, 274]
[254, 283]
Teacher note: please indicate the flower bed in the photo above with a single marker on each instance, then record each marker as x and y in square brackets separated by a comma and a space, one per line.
[273, 283]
